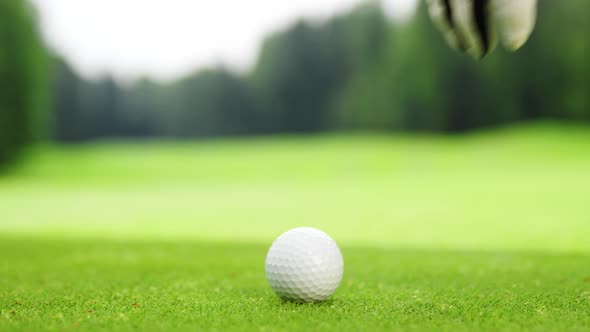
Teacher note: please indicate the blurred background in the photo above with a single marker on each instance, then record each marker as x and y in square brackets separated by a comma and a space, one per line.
[135, 117]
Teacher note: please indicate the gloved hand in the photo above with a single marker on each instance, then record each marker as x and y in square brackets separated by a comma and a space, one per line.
[472, 26]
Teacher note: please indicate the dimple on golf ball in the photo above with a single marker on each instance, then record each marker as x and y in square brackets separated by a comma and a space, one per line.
[304, 265]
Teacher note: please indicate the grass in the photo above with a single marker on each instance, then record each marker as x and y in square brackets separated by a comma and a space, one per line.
[116, 285]
[478, 232]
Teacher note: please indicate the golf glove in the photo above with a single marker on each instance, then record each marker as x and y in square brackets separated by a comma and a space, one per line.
[472, 26]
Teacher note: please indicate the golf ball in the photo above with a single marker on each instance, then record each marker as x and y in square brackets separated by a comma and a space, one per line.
[304, 265]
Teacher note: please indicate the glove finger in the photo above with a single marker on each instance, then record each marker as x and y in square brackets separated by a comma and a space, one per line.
[441, 13]
[473, 21]
[515, 20]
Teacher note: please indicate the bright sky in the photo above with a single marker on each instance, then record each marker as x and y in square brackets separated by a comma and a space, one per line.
[167, 38]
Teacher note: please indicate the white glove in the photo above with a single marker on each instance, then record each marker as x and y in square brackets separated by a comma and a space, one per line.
[471, 25]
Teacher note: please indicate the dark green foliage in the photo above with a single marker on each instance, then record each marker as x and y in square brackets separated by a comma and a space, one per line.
[86, 109]
[296, 78]
[67, 103]
[301, 72]
[354, 71]
[554, 70]
[209, 103]
[22, 84]
[420, 84]
[140, 107]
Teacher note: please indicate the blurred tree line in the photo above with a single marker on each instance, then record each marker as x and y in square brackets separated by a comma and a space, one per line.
[355, 71]
[23, 88]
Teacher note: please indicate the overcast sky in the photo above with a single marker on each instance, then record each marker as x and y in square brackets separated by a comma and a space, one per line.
[167, 38]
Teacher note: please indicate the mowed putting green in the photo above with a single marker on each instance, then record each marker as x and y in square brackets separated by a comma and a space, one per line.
[116, 285]
[479, 232]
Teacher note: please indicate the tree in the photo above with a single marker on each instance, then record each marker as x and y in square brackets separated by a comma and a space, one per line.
[353, 71]
[23, 69]
[553, 69]
[68, 115]
[301, 72]
[101, 103]
[211, 102]
[142, 109]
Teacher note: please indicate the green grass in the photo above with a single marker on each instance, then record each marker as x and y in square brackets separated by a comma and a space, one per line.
[119, 285]
[477, 232]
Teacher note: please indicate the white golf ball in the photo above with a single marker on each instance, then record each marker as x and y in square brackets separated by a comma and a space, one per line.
[304, 265]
